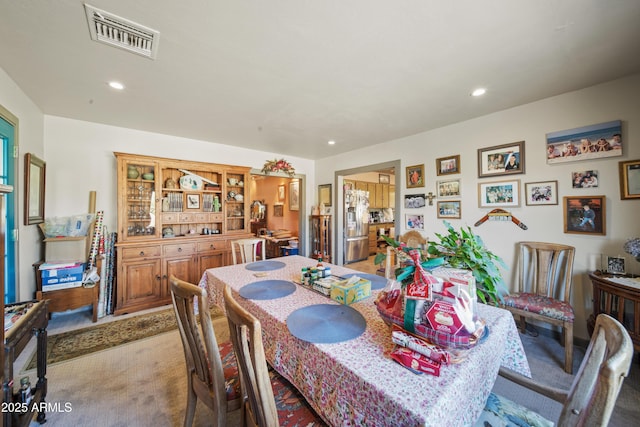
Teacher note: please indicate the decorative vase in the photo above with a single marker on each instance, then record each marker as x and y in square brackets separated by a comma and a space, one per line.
[132, 172]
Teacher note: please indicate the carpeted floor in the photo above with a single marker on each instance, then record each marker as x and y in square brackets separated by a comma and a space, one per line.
[75, 343]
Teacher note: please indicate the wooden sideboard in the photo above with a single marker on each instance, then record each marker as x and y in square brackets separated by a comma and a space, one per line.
[620, 301]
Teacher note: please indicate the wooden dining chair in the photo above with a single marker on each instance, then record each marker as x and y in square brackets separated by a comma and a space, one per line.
[260, 406]
[544, 289]
[595, 388]
[212, 373]
[250, 250]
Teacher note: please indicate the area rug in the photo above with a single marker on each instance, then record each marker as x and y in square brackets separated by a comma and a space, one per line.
[72, 344]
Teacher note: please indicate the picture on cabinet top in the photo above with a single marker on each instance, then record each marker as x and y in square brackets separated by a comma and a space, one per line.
[585, 143]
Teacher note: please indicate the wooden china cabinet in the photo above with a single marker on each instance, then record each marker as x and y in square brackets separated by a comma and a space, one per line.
[174, 217]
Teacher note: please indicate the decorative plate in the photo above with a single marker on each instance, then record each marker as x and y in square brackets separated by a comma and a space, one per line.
[190, 182]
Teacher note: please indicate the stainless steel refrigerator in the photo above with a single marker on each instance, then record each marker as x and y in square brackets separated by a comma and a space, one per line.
[356, 225]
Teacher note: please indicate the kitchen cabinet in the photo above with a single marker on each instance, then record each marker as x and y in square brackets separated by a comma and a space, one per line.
[174, 218]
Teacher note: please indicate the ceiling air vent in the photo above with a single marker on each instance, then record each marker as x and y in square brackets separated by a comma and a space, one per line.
[110, 29]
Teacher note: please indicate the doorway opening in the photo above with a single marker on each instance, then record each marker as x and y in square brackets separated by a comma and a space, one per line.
[382, 211]
[281, 199]
[9, 140]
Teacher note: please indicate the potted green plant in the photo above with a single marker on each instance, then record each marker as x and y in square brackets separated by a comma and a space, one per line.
[463, 249]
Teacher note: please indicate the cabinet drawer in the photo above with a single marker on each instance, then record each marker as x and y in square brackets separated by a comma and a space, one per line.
[179, 249]
[140, 252]
[170, 218]
[212, 245]
[215, 217]
[185, 217]
[200, 217]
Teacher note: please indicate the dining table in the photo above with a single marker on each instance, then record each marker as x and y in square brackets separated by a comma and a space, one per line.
[355, 381]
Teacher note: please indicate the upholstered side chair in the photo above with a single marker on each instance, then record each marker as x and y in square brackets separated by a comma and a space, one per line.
[592, 396]
[544, 289]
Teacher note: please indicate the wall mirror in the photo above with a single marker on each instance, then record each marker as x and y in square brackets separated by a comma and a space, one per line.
[34, 189]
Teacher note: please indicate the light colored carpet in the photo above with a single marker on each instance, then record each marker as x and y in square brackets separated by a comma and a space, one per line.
[141, 383]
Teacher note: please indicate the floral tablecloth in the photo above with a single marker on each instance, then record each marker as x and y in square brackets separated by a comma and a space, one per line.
[355, 382]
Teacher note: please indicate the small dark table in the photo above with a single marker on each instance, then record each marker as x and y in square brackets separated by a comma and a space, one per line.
[33, 322]
[619, 301]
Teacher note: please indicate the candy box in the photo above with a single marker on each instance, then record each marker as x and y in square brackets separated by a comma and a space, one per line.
[452, 283]
[415, 361]
[348, 292]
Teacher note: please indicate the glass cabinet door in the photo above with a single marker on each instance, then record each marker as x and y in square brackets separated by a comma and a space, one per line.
[138, 190]
[236, 202]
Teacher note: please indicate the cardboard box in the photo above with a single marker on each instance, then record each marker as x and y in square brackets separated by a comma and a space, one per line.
[349, 293]
[59, 286]
[65, 278]
[60, 249]
[455, 280]
[48, 270]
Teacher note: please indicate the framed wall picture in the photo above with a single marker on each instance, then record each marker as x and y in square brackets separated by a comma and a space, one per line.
[294, 195]
[585, 143]
[34, 184]
[449, 188]
[629, 179]
[448, 165]
[324, 194]
[278, 210]
[281, 192]
[193, 201]
[584, 179]
[413, 222]
[450, 209]
[499, 194]
[506, 159]
[415, 176]
[585, 215]
[615, 265]
[414, 201]
[541, 193]
[384, 179]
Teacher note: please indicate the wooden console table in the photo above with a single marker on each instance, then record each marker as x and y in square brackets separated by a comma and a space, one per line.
[620, 301]
[33, 322]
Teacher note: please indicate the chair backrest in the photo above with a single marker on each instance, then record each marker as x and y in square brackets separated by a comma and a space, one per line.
[259, 407]
[248, 250]
[200, 346]
[595, 388]
[545, 269]
[392, 262]
[413, 239]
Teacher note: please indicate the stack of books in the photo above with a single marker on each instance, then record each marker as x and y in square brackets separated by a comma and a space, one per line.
[61, 275]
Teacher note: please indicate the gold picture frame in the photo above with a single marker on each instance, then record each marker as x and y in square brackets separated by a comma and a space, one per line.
[448, 165]
[324, 194]
[34, 186]
[415, 176]
[629, 179]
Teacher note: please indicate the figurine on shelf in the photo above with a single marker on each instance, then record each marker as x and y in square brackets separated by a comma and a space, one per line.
[216, 204]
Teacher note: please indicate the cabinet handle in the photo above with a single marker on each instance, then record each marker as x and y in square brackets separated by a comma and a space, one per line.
[157, 277]
[179, 249]
[212, 247]
[164, 276]
[141, 253]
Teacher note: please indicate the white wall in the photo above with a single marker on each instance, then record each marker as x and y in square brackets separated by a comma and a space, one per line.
[31, 140]
[617, 100]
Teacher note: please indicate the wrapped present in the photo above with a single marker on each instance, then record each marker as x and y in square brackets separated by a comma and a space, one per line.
[402, 338]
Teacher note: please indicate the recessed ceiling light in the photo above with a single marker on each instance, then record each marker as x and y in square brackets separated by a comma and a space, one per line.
[116, 85]
[479, 92]
[332, 142]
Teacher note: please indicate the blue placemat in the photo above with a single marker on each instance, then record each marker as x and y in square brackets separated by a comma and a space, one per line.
[326, 323]
[377, 282]
[267, 289]
[265, 265]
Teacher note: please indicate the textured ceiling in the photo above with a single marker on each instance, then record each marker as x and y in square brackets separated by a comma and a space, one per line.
[285, 76]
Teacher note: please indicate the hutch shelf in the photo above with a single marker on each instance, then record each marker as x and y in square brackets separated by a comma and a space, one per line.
[174, 217]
